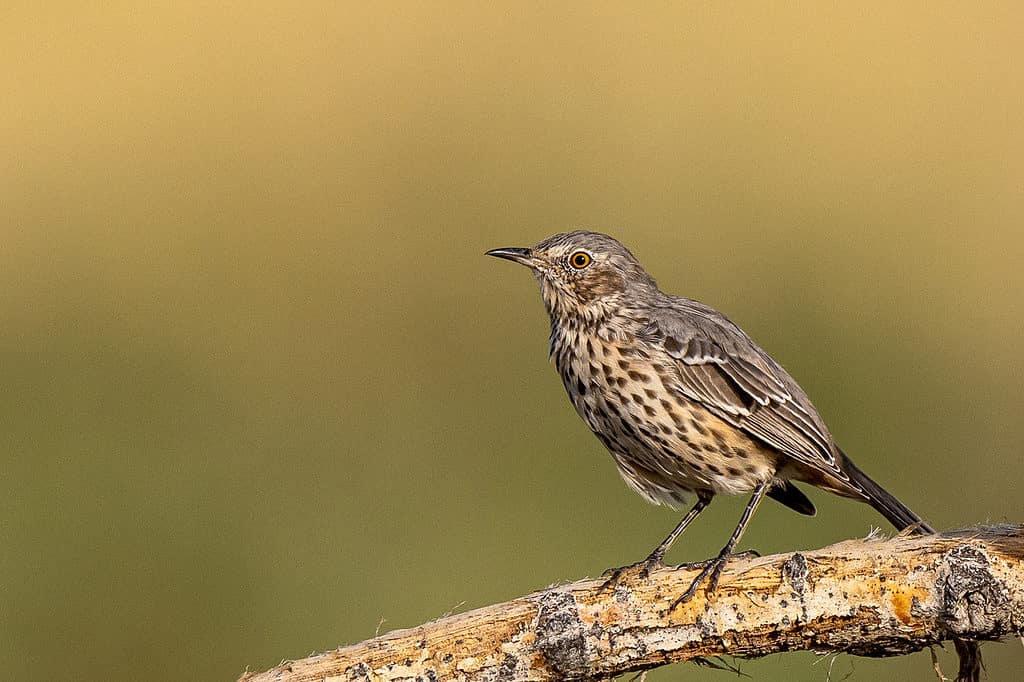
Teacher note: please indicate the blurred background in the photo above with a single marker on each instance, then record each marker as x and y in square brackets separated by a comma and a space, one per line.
[263, 395]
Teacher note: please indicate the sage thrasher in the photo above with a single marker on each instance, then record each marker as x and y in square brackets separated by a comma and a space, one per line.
[684, 400]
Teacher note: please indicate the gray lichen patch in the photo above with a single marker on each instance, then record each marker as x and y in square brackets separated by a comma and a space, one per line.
[973, 600]
[795, 573]
[358, 672]
[561, 635]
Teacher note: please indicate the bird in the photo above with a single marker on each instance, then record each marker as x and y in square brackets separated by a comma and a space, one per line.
[688, 405]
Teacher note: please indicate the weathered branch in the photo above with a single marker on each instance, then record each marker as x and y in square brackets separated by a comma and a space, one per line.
[870, 597]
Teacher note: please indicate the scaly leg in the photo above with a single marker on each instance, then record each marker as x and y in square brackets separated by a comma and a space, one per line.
[656, 558]
[714, 566]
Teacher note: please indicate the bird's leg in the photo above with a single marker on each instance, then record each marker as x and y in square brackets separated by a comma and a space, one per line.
[713, 567]
[656, 558]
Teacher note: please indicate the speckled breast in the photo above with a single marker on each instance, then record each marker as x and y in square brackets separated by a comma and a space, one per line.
[665, 445]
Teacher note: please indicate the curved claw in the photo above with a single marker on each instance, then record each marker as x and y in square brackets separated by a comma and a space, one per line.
[713, 568]
[614, 575]
[709, 567]
[643, 570]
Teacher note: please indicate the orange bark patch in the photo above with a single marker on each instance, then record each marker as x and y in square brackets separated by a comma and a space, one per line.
[901, 603]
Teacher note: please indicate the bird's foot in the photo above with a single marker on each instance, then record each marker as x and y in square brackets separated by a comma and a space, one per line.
[642, 570]
[710, 569]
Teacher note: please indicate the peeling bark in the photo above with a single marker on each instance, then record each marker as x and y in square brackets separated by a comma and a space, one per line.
[872, 597]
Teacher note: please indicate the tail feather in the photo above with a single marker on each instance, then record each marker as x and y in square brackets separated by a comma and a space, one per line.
[897, 513]
[791, 496]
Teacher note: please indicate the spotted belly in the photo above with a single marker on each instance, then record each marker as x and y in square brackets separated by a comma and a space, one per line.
[665, 445]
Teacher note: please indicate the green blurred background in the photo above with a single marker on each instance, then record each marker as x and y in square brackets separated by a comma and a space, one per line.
[264, 395]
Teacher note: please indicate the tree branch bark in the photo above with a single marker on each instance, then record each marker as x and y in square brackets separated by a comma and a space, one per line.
[873, 597]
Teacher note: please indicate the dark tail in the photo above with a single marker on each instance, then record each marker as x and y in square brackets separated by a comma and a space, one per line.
[897, 513]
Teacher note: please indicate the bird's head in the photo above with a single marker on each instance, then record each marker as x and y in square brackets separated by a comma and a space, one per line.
[581, 274]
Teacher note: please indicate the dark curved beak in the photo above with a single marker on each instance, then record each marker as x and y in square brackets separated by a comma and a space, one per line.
[513, 253]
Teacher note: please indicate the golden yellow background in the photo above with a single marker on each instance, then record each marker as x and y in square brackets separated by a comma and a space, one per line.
[263, 394]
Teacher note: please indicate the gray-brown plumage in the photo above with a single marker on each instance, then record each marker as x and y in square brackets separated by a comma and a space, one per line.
[684, 400]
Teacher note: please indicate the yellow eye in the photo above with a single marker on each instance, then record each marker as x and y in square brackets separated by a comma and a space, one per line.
[580, 260]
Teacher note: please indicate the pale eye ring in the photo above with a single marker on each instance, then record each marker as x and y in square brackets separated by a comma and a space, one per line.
[580, 260]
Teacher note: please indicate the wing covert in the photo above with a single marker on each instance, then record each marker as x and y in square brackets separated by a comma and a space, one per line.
[723, 369]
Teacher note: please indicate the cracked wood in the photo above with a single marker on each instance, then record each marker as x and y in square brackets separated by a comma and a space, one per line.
[873, 597]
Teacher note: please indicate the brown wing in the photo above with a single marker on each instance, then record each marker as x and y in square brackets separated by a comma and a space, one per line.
[723, 369]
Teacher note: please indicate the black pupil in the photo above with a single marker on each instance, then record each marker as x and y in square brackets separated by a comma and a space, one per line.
[580, 260]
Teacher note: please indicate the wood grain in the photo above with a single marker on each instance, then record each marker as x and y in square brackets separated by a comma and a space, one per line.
[872, 597]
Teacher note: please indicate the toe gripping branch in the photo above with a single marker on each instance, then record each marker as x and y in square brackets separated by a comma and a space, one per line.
[711, 569]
